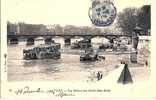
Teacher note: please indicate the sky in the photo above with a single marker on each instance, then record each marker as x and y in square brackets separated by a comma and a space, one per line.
[63, 12]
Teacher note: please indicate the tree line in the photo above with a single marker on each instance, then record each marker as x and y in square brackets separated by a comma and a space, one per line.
[126, 21]
[129, 18]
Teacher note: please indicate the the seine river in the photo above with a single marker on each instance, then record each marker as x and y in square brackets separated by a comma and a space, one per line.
[68, 68]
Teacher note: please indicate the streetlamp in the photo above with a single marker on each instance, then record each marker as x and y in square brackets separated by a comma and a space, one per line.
[135, 41]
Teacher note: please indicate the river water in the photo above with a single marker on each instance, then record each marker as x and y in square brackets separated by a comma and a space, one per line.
[68, 68]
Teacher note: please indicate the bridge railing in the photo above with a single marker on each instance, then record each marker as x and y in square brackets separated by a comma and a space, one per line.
[25, 35]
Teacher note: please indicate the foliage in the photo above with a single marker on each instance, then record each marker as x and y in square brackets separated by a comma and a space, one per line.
[144, 18]
[127, 20]
[130, 17]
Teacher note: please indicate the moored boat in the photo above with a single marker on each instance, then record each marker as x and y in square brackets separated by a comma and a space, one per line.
[81, 44]
[75, 45]
[89, 55]
[85, 43]
[42, 52]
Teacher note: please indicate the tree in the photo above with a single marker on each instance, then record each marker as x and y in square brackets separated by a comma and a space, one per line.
[58, 29]
[127, 20]
[86, 30]
[130, 17]
[144, 18]
[96, 31]
[69, 29]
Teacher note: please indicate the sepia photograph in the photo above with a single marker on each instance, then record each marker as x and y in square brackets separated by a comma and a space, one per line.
[77, 49]
[78, 40]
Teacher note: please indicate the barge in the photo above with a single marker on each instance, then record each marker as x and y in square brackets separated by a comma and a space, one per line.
[43, 52]
[81, 44]
[89, 55]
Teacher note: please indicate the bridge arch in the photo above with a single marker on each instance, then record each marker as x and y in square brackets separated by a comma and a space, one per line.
[67, 40]
[30, 41]
[13, 40]
[48, 40]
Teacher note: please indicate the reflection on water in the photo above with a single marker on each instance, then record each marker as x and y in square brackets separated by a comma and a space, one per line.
[67, 68]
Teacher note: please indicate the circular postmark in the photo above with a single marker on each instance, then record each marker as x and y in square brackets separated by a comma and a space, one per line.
[102, 13]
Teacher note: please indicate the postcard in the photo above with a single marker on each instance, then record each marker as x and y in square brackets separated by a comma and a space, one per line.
[77, 49]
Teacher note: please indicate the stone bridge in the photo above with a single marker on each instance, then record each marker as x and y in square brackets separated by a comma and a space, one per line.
[67, 37]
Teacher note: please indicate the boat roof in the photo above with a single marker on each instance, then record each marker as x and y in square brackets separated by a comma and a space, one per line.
[47, 45]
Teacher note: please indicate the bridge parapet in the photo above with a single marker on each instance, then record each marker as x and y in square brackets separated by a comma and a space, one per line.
[63, 35]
